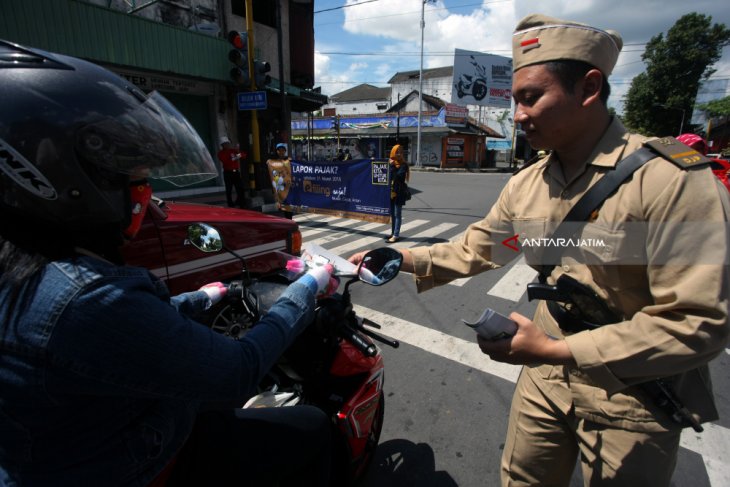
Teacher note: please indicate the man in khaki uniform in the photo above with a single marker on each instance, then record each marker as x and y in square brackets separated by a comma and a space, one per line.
[577, 392]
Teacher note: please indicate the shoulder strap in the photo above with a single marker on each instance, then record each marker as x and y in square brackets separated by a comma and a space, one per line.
[591, 200]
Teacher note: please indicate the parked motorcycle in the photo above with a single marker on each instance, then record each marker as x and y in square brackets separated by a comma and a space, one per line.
[475, 84]
[334, 364]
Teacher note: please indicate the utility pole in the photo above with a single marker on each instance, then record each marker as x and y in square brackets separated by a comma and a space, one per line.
[255, 143]
[285, 124]
[420, 89]
[420, 85]
[397, 126]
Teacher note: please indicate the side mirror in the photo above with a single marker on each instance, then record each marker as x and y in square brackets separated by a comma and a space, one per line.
[204, 237]
[380, 266]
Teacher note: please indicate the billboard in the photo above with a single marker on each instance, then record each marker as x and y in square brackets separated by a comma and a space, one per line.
[482, 79]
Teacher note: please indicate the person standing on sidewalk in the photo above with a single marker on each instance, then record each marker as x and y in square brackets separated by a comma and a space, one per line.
[230, 159]
[399, 175]
[281, 155]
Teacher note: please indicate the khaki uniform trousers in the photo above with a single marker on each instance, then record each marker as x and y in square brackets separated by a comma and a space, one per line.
[543, 442]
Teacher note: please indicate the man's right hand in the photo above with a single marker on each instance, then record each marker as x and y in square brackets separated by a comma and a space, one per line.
[358, 257]
[406, 266]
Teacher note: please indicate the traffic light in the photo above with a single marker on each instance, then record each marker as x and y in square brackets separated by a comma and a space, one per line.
[260, 68]
[239, 56]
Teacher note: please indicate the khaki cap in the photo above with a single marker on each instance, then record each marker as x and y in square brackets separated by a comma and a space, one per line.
[539, 39]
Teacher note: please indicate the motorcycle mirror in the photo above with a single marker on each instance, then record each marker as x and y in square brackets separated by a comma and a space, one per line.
[204, 237]
[380, 266]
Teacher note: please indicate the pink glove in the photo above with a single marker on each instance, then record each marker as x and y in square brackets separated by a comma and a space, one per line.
[318, 279]
[215, 291]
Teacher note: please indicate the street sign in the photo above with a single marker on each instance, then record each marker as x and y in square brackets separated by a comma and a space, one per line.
[252, 100]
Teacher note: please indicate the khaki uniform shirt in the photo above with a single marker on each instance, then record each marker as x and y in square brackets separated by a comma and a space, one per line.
[675, 312]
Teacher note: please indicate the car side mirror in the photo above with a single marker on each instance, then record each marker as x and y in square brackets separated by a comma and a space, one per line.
[204, 237]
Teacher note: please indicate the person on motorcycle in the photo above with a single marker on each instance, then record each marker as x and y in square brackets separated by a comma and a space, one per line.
[106, 378]
[695, 142]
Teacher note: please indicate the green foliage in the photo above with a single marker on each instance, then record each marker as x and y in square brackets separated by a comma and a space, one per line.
[662, 96]
[717, 108]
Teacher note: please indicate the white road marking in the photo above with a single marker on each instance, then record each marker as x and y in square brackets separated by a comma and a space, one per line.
[712, 444]
[332, 226]
[430, 233]
[514, 283]
[345, 249]
[456, 349]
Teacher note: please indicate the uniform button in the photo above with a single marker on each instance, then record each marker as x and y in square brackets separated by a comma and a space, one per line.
[566, 268]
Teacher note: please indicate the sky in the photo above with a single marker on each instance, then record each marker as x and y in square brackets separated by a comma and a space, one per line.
[368, 41]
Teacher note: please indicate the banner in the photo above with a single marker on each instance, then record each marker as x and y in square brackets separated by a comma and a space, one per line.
[482, 79]
[455, 115]
[455, 150]
[357, 189]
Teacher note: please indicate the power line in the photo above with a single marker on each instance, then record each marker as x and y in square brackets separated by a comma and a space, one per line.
[345, 6]
[453, 7]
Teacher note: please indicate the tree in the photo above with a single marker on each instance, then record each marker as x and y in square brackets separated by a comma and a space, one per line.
[717, 108]
[663, 97]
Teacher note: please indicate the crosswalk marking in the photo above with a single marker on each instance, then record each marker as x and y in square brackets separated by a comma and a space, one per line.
[510, 287]
[329, 227]
[430, 233]
[347, 248]
[513, 284]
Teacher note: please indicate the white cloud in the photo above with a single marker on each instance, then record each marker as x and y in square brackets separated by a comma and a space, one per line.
[391, 28]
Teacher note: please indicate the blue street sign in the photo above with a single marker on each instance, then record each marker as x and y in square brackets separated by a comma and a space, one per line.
[252, 100]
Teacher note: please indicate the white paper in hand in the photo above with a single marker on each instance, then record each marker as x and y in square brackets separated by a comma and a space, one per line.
[493, 326]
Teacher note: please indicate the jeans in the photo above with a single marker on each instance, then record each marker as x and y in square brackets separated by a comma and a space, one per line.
[395, 218]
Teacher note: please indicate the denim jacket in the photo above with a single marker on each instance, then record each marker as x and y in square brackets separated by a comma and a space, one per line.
[102, 373]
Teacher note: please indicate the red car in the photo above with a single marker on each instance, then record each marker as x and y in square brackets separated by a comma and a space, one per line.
[162, 244]
[721, 169]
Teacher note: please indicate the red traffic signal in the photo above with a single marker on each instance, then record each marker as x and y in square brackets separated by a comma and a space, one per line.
[239, 57]
[238, 39]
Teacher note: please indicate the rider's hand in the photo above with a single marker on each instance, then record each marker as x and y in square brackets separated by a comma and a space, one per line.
[318, 278]
[357, 258]
[215, 291]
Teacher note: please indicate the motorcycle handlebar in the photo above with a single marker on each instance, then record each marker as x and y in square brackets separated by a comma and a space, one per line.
[368, 349]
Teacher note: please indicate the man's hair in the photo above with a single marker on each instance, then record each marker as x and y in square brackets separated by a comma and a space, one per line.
[569, 72]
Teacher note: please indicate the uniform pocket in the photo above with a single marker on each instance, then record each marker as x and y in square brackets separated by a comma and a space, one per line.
[530, 233]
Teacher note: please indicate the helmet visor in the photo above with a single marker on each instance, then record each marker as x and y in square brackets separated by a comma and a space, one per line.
[154, 140]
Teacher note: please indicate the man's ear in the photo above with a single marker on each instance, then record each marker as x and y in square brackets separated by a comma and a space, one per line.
[590, 87]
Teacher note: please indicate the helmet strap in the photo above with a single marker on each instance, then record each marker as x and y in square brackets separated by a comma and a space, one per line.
[140, 194]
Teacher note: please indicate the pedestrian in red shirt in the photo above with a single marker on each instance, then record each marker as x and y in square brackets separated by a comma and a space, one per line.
[231, 161]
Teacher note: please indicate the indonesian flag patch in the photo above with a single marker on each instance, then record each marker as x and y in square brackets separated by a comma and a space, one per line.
[529, 44]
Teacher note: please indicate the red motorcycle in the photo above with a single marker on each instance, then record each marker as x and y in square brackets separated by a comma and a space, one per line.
[334, 364]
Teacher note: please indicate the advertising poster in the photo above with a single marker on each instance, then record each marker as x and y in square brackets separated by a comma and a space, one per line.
[357, 189]
[455, 150]
[482, 79]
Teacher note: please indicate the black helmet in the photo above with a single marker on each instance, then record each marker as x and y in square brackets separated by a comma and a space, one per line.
[73, 135]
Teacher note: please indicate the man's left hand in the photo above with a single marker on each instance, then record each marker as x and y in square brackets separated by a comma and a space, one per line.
[530, 345]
